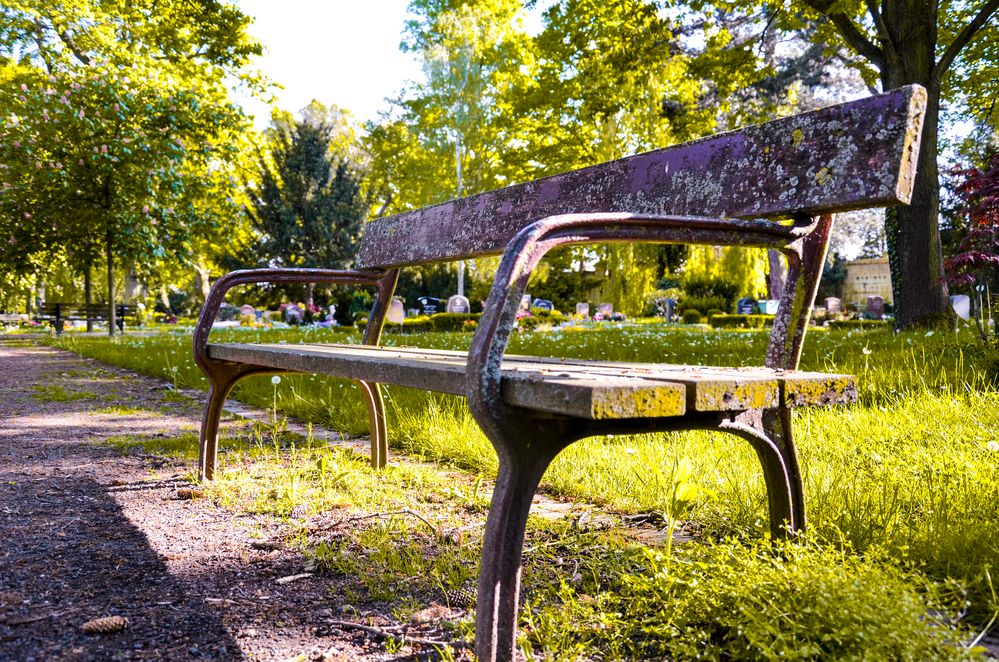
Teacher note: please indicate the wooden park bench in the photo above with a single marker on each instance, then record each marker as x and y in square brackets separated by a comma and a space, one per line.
[775, 185]
[57, 314]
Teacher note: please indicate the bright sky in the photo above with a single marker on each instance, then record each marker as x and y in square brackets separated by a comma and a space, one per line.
[343, 52]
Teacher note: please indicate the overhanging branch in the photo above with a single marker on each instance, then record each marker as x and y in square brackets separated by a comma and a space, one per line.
[855, 38]
[963, 37]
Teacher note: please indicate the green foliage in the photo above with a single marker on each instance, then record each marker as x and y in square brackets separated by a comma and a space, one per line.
[118, 134]
[691, 316]
[448, 322]
[552, 318]
[308, 205]
[741, 321]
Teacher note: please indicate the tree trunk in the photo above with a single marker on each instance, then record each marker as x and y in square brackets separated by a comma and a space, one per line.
[203, 278]
[165, 299]
[112, 328]
[915, 254]
[88, 294]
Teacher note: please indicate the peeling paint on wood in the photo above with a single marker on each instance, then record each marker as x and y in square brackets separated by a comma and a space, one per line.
[856, 155]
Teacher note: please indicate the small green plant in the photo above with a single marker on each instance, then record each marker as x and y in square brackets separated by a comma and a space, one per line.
[57, 393]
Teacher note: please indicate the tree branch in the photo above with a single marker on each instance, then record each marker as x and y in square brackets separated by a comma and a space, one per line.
[851, 33]
[70, 42]
[962, 39]
[879, 24]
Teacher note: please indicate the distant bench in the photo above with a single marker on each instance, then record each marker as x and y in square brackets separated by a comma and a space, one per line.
[57, 314]
[715, 191]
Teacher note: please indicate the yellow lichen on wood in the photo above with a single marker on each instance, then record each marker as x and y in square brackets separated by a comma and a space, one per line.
[658, 402]
[835, 389]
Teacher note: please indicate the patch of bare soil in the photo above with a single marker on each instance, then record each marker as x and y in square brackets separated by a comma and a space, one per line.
[88, 533]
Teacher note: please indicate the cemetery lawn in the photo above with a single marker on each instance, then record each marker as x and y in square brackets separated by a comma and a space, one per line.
[901, 556]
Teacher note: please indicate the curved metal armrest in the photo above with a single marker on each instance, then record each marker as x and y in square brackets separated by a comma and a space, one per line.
[526, 249]
[378, 279]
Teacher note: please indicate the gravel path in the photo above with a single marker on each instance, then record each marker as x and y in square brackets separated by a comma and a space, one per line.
[88, 533]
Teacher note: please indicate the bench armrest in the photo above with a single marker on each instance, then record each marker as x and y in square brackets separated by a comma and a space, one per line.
[383, 281]
[804, 243]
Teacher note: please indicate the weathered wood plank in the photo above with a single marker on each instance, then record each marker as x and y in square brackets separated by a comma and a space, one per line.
[589, 389]
[855, 155]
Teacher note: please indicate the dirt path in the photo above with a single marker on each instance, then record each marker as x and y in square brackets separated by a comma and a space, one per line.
[88, 533]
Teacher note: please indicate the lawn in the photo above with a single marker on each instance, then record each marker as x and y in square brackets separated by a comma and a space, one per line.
[902, 492]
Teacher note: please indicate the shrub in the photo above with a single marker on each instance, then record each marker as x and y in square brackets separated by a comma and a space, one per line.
[713, 312]
[699, 303]
[691, 316]
[741, 321]
[860, 324]
[530, 323]
[447, 322]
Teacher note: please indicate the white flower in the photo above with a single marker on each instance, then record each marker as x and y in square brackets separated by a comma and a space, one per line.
[929, 333]
[866, 351]
[275, 380]
[992, 445]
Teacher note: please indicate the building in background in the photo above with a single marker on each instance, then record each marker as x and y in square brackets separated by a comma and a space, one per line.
[866, 278]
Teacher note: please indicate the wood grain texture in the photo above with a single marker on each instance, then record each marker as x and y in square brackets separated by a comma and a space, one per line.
[855, 155]
[594, 390]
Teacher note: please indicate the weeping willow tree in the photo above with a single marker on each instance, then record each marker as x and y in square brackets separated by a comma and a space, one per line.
[745, 266]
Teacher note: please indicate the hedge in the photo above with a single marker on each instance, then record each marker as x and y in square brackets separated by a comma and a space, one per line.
[860, 324]
[741, 321]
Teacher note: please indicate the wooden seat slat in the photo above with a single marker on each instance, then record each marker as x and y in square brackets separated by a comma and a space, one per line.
[590, 389]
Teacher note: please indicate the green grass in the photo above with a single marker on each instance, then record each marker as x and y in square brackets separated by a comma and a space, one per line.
[902, 491]
[56, 393]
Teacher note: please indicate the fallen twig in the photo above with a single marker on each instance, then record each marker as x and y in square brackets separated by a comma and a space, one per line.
[405, 511]
[382, 634]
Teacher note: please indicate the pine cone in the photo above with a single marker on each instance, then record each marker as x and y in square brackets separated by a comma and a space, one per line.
[105, 625]
[460, 598]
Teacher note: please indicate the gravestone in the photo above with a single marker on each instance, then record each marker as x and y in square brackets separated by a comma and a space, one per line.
[247, 309]
[605, 310]
[670, 310]
[396, 312]
[582, 310]
[961, 303]
[293, 314]
[429, 304]
[525, 302]
[745, 306]
[875, 306]
[412, 312]
[458, 304]
[833, 306]
[768, 306]
[543, 304]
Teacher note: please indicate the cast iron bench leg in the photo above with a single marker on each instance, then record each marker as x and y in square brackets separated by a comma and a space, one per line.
[376, 421]
[521, 466]
[769, 433]
[221, 379]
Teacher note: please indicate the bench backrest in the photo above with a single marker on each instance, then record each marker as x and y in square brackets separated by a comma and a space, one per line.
[855, 155]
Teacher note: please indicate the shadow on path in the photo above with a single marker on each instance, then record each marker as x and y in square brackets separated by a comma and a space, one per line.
[70, 555]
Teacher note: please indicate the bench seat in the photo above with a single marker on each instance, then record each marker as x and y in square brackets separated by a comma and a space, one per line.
[593, 390]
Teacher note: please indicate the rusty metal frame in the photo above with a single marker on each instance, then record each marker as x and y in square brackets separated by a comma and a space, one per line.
[223, 375]
[527, 441]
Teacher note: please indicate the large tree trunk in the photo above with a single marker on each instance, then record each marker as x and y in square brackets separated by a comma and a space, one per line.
[112, 328]
[915, 253]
